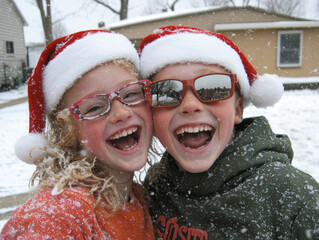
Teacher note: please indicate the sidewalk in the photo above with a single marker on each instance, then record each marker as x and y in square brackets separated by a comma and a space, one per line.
[10, 203]
[14, 94]
[13, 102]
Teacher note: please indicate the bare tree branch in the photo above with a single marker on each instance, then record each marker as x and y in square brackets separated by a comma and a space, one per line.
[56, 21]
[172, 6]
[288, 7]
[107, 6]
[232, 2]
[246, 2]
[123, 9]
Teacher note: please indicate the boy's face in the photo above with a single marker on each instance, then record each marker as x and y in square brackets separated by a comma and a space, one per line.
[121, 138]
[195, 152]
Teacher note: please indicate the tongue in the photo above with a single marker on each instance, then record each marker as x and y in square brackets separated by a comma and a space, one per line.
[124, 143]
[194, 140]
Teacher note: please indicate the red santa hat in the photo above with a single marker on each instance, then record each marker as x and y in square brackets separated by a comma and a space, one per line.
[60, 65]
[179, 44]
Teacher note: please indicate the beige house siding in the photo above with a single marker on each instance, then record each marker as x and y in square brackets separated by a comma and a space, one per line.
[11, 29]
[261, 48]
[310, 61]
[259, 45]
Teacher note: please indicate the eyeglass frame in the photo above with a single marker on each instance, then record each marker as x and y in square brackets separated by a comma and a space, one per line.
[190, 83]
[74, 108]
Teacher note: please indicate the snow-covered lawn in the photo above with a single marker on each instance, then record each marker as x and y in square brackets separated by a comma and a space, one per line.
[296, 114]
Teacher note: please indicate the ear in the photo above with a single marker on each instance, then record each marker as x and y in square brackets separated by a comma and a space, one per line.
[239, 109]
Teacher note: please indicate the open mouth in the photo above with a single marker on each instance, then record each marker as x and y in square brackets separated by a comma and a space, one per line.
[126, 139]
[195, 137]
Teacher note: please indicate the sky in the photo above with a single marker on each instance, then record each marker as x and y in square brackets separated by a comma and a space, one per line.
[80, 15]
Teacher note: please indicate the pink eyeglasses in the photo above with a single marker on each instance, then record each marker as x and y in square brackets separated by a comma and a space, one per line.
[98, 105]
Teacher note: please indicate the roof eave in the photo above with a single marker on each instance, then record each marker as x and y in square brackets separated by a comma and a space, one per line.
[266, 25]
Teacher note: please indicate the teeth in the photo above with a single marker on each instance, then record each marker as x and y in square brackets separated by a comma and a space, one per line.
[208, 128]
[124, 133]
[127, 149]
[193, 129]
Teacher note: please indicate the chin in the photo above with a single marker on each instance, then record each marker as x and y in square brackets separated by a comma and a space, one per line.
[196, 167]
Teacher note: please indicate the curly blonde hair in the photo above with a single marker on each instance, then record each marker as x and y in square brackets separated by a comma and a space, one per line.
[66, 164]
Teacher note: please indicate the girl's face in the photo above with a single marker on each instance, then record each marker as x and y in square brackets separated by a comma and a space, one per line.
[212, 122]
[122, 137]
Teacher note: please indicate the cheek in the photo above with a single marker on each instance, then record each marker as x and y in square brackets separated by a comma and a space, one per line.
[158, 119]
[225, 114]
[161, 120]
[89, 134]
[144, 113]
[148, 119]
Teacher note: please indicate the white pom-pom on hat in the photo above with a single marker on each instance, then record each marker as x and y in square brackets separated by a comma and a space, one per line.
[179, 44]
[28, 147]
[266, 90]
[60, 65]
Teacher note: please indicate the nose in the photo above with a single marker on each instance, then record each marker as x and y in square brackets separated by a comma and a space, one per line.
[190, 103]
[119, 112]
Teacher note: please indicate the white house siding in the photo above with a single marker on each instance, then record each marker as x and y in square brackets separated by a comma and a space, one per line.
[11, 29]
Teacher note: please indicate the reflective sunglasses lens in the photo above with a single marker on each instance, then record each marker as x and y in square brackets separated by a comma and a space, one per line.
[94, 106]
[166, 93]
[132, 94]
[213, 87]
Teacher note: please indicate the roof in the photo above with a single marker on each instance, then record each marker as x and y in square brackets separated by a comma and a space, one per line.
[24, 21]
[167, 15]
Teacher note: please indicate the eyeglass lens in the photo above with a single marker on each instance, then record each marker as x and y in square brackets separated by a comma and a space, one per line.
[209, 88]
[100, 104]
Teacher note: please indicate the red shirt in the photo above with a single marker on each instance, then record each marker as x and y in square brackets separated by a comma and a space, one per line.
[71, 215]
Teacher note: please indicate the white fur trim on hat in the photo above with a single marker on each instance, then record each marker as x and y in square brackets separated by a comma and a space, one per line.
[80, 57]
[192, 47]
[28, 147]
[266, 90]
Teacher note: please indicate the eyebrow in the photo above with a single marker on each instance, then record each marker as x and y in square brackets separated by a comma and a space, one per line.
[205, 70]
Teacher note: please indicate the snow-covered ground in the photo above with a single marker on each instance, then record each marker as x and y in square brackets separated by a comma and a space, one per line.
[296, 114]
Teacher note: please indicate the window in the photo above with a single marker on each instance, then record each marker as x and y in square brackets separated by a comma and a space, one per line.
[289, 48]
[10, 47]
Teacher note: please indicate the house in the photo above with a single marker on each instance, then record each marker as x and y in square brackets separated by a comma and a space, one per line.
[34, 52]
[274, 43]
[12, 46]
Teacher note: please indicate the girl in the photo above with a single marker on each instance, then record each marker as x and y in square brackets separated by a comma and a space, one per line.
[98, 133]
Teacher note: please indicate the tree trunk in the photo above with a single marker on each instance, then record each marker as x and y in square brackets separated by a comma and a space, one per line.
[124, 9]
[45, 12]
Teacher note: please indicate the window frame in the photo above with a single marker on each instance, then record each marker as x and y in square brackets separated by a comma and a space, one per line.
[289, 65]
[9, 46]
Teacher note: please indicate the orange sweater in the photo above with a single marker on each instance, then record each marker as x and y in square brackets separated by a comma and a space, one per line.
[71, 215]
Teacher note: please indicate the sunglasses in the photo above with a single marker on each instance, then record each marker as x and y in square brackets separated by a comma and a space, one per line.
[98, 105]
[207, 89]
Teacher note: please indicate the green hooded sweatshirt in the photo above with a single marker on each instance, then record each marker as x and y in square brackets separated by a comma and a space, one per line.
[250, 192]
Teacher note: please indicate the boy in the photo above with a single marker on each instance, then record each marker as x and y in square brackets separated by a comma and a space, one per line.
[221, 177]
